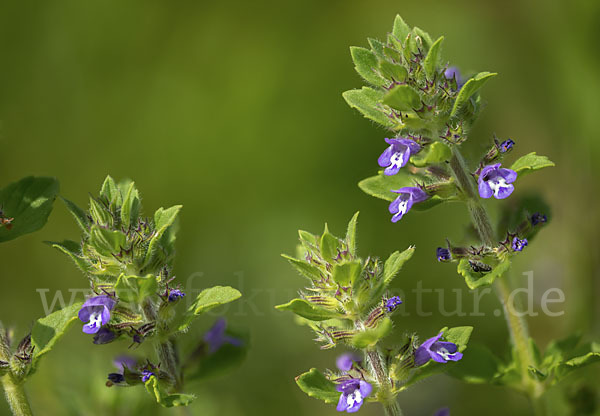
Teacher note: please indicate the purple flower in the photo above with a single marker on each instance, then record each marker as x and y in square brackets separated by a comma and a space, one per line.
[146, 374]
[439, 351]
[96, 312]
[408, 196]
[444, 411]
[443, 254]
[123, 361]
[538, 218]
[344, 362]
[497, 181]
[506, 145]
[354, 391]
[518, 244]
[392, 303]
[216, 337]
[453, 72]
[397, 154]
[175, 294]
[116, 378]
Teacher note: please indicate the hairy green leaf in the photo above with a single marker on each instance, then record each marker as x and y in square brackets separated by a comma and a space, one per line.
[471, 87]
[530, 162]
[475, 279]
[368, 102]
[365, 63]
[316, 385]
[403, 98]
[309, 311]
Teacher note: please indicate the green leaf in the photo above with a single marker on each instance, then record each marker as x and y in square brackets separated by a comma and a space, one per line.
[79, 214]
[207, 299]
[305, 269]
[436, 152]
[530, 162]
[29, 202]
[316, 385]
[393, 71]
[48, 330]
[99, 212]
[73, 250]
[425, 38]
[403, 98]
[478, 366]
[111, 193]
[164, 399]
[401, 29]
[131, 206]
[368, 338]
[471, 87]
[368, 102]
[136, 288]
[345, 274]
[105, 241]
[305, 309]
[365, 63]
[351, 234]
[394, 263]
[459, 335]
[478, 279]
[433, 57]
[566, 367]
[163, 219]
[329, 246]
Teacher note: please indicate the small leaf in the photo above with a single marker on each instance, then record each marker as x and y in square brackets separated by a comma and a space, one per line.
[401, 29]
[530, 162]
[394, 263]
[305, 269]
[479, 279]
[351, 234]
[368, 102]
[107, 242]
[458, 335]
[136, 288]
[163, 219]
[164, 399]
[368, 338]
[471, 87]
[403, 98]
[345, 274]
[309, 311]
[111, 193]
[79, 214]
[316, 385]
[425, 38]
[433, 58]
[393, 71]
[381, 186]
[436, 152]
[365, 63]
[73, 250]
[207, 299]
[131, 206]
[29, 202]
[48, 330]
[329, 246]
[566, 367]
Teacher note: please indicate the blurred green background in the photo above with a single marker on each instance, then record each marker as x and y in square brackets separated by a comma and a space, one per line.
[234, 110]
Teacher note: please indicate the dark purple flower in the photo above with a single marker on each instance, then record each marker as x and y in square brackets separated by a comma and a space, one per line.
[344, 362]
[453, 72]
[96, 312]
[506, 145]
[408, 196]
[443, 254]
[354, 391]
[123, 361]
[444, 411]
[392, 303]
[439, 351]
[116, 378]
[497, 181]
[518, 244]
[538, 218]
[216, 337]
[397, 154]
[146, 374]
[104, 336]
[175, 294]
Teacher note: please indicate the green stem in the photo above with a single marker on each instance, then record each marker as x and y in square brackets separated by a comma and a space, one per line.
[15, 396]
[516, 325]
[385, 395]
[164, 349]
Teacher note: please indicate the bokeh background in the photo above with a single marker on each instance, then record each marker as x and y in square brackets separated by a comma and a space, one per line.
[234, 110]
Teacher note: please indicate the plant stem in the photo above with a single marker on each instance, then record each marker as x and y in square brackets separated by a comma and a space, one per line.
[516, 325]
[15, 396]
[164, 349]
[388, 400]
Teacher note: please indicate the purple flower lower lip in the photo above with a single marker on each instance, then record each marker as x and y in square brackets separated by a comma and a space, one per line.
[496, 181]
[96, 312]
[354, 391]
[408, 196]
[439, 351]
[397, 154]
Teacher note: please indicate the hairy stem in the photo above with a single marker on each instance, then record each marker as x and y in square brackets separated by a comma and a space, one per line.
[164, 349]
[388, 400]
[516, 325]
[15, 396]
